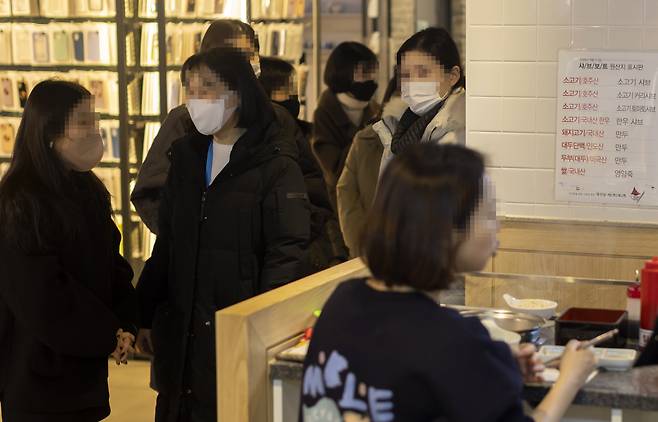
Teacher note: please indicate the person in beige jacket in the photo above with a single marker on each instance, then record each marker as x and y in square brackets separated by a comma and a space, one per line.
[358, 181]
[433, 85]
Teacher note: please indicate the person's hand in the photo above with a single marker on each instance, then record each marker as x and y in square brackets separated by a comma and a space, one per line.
[124, 347]
[577, 365]
[144, 344]
[529, 364]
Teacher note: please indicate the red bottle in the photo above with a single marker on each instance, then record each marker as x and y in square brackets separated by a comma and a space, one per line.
[649, 300]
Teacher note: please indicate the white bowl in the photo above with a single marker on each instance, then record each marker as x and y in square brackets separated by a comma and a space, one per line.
[539, 307]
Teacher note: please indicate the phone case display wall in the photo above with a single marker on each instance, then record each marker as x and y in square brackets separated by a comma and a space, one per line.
[58, 8]
[76, 40]
[194, 8]
[284, 40]
[58, 44]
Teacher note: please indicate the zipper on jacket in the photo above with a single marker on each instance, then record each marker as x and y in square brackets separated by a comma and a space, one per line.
[203, 205]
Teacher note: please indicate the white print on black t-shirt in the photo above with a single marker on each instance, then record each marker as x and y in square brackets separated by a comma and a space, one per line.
[356, 403]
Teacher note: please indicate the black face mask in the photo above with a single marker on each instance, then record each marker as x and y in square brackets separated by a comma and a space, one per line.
[363, 91]
[291, 104]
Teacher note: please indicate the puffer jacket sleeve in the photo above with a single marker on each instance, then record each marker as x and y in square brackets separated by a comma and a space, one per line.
[152, 286]
[58, 310]
[351, 213]
[286, 225]
[153, 172]
[124, 298]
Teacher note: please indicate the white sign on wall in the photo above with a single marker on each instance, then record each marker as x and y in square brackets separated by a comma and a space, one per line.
[607, 127]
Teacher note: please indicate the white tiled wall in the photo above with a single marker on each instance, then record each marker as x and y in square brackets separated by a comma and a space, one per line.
[511, 54]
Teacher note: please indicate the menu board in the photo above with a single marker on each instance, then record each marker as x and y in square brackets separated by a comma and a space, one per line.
[607, 127]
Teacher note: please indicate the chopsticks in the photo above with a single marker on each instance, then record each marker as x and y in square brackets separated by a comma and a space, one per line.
[554, 362]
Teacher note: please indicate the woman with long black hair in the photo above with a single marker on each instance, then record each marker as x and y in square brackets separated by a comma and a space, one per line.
[66, 298]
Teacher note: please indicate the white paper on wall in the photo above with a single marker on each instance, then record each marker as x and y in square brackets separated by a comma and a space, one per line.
[607, 129]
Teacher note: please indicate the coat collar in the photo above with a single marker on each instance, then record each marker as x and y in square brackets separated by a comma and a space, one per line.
[257, 145]
[329, 101]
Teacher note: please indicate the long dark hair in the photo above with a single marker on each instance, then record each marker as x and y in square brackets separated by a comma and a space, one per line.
[38, 193]
[426, 192]
[438, 43]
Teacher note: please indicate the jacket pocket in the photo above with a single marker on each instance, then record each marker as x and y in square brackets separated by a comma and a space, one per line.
[293, 214]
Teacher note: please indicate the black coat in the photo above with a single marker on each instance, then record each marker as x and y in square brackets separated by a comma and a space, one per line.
[247, 233]
[154, 170]
[327, 247]
[333, 132]
[60, 310]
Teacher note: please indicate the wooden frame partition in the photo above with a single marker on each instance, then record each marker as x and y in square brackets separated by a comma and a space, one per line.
[250, 333]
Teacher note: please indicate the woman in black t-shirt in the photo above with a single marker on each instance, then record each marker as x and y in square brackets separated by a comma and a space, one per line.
[383, 350]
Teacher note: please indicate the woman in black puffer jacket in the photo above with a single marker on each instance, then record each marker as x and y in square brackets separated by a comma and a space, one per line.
[234, 222]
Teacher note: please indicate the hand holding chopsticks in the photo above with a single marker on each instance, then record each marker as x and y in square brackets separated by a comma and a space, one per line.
[555, 362]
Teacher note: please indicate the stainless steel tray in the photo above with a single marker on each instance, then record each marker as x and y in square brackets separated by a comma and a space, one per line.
[528, 326]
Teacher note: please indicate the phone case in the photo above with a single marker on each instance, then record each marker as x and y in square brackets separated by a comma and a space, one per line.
[7, 137]
[191, 6]
[198, 37]
[7, 93]
[97, 89]
[20, 7]
[172, 7]
[114, 133]
[23, 46]
[61, 47]
[219, 7]
[95, 5]
[107, 144]
[56, 8]
[276, 43]
[40, 47]
[78, 46]
[21, 86]
[5, 46]
[93, 46]
[5, 8]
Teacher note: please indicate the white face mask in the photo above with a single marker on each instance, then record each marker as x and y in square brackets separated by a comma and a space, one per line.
[80, 155]
[209, 116]
[421, 96]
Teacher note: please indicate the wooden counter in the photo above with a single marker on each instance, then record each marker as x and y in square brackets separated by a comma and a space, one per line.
[250, 333]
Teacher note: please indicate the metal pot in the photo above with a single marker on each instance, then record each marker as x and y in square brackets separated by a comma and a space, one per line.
[526, 325]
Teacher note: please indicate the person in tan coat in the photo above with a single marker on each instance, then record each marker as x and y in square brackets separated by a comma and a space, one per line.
[432, 83]
[358, 181]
